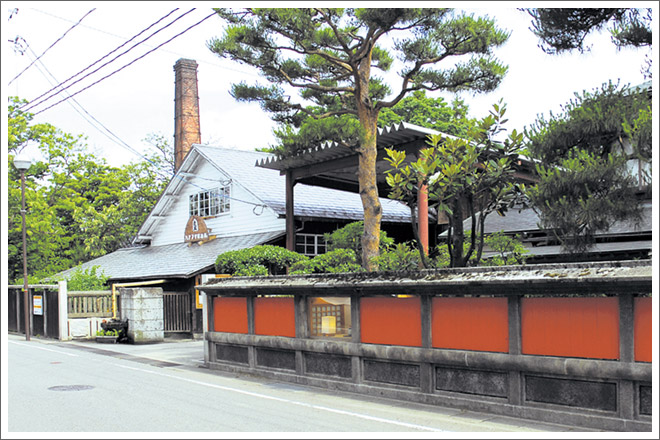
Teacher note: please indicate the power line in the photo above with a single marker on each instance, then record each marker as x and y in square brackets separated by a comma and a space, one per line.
[116, 139]
[164, 50]
[137, 59]
[49, 47]
[103, 57]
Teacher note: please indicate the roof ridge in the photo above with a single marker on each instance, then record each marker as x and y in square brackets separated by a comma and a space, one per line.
[232, 149]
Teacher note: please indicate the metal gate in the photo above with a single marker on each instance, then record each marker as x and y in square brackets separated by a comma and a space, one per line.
[177, 314]
[43, 310]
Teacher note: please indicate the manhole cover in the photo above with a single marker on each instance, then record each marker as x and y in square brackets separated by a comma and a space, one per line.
[71, 388]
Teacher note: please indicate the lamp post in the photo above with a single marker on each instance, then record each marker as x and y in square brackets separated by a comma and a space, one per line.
[22, 165]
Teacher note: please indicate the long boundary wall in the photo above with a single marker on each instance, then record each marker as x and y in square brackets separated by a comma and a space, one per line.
[569, 344]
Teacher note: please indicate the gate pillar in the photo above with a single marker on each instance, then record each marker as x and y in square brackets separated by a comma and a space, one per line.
[142, 307]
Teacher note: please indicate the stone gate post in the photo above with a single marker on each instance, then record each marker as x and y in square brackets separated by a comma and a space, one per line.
[142, 307]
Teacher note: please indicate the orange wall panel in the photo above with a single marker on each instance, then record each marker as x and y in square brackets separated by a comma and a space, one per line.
[391, 321]
[571, 327]
[480, 324]
[275, 317]
[643, 330]
[230, 315]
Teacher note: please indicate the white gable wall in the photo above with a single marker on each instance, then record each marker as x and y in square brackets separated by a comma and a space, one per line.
[242, 218]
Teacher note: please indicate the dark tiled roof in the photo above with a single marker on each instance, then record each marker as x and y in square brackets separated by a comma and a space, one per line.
[309, 201]
[171, 261]
[527, 220]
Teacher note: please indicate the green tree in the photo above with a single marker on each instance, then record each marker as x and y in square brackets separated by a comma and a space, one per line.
[417, 108]
[565, 29]
[331, 56]
[467, 177]
[585, 151]
[78, 207]
[87, 279]
[349, 237]
[584, 194]
[433, 113]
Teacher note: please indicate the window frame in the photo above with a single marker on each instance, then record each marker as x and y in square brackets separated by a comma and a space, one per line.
[318, 242]
[210, 203]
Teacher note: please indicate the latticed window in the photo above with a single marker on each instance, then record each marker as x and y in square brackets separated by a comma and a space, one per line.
[310, 244]
[210, 203]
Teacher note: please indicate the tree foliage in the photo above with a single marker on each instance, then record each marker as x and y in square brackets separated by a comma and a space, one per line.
[565, 29]
[338, 260]
[349, 237]
[78, 207]
[600, 121]
[584, 194]
[257, 260]
[87, 279]
[331, 55]
[585, 151]
[466, 177]
[433, 113]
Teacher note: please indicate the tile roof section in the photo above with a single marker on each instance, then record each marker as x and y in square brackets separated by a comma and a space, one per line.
[171, 261]
[311, 201]
[527, 220]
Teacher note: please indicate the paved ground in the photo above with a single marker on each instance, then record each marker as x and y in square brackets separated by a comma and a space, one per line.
[189, 353]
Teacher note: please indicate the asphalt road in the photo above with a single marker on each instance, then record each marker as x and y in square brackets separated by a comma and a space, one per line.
[65, 387]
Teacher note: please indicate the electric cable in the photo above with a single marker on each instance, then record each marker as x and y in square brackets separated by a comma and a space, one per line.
[103, 57]
[164, 50]
[156, 171]
[32, 104]
[49, 47]
[123, 67]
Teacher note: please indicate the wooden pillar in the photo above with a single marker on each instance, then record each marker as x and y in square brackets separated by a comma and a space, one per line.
[290, 222]
[423, 217]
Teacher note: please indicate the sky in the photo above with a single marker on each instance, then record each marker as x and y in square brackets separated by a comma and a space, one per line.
[136, 98]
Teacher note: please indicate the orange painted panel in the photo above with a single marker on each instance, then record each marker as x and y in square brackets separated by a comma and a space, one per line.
[571, 327]
[391, 321]
[274, 317]
[230, 315]
[480, 324]
[643, 331]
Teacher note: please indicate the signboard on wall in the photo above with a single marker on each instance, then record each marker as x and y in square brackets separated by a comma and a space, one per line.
[196, 230]
[37, 305]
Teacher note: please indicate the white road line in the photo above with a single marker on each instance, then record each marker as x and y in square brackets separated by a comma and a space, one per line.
[292, 402]
[42, 348]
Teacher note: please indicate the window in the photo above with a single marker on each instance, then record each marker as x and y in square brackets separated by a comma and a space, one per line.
[310, 244]
[210, 203]
[330, 317]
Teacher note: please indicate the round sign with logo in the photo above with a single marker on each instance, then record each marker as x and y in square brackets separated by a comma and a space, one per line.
[196, 230]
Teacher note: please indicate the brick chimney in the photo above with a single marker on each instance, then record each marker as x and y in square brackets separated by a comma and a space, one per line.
[186, 109]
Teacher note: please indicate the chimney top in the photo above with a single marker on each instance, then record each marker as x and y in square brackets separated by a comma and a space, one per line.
[186, 109]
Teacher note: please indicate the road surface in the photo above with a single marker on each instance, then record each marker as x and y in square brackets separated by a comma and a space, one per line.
[56, 387]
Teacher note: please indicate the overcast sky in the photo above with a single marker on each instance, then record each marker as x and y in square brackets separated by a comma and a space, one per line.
[138, 100]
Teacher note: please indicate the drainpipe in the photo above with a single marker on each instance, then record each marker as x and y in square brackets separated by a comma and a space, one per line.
[134, 284]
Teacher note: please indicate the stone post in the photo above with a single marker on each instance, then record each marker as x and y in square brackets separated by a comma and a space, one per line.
[63, 310]
[143, 308]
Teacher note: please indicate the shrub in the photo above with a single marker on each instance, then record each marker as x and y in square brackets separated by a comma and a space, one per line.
[401, 256]
[88, 279]
[258, 260]
[334, 261]
[350, 237]
[510, 250]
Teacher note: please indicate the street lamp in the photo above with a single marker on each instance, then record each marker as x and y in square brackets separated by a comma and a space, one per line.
[22, 165]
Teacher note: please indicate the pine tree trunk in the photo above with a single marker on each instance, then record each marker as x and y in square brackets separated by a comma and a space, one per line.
[369, 195]
[368, 118]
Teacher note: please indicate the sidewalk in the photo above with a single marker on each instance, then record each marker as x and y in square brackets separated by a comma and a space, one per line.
[169, 353]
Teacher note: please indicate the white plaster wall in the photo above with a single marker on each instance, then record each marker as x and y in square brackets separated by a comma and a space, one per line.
[83, 328]
[242, 218]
